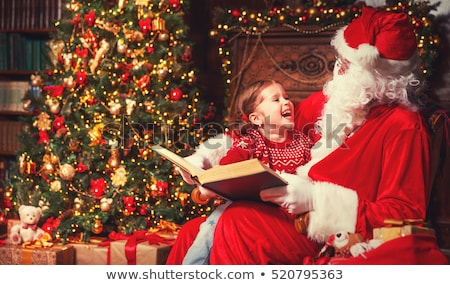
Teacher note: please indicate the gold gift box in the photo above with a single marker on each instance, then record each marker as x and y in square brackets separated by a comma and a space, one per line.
[146, 254]
[54, 255]
[396, 229]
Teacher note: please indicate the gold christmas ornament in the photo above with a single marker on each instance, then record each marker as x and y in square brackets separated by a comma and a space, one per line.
[98, 227]
[43, 122]
[36, 80]
[105, 204]
[47, 168]
[114, 108]
[163, 36]
[119, 177]
[67, 171]
[55, 185]
[55, 108]
[131, 104]
[162, 72]
[95, 134]
[69, 82]
[113, 160]
[77, 203]
[121, 46]
[149, 106]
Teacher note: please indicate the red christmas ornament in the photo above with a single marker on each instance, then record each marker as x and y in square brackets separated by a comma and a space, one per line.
[81, 167]
[150, 49]
[81, 53]
[98, 187]
[175, 4]
[7, 203]
[90, 18]
[236, 13]
[162, 188]
[50, 225]
[145, 25]
[81, 77]
[43, 137]
[143, 210]
[176, 94]
[76, 20]
[91, 39]
[222, 41]
[54, 90]
[143, 81]
[125, 77]
[58, 122]
[129, 203]
[92, 101]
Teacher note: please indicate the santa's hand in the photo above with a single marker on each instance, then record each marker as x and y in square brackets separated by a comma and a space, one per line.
[296, 197]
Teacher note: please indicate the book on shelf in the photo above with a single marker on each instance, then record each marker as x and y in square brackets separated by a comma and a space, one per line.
[237, 181]
[9, 132]
[11, 95]
[29, 14]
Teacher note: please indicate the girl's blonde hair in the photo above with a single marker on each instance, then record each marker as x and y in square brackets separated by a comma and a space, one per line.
[245, 103]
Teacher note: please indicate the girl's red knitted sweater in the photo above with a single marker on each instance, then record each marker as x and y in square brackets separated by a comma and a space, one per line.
[280, 156]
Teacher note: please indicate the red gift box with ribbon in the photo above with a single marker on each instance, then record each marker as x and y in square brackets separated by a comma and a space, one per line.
[139, 248]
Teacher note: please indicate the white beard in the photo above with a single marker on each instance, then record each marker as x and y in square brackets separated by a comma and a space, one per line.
[344, 111]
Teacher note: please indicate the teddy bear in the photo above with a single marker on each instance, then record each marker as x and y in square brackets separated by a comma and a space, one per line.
[28, 229]
[345, 244]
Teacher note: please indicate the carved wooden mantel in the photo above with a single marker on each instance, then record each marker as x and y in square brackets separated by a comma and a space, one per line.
[301, 60]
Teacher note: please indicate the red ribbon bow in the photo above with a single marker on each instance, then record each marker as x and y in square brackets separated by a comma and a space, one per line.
[26, 226]
[132, 241]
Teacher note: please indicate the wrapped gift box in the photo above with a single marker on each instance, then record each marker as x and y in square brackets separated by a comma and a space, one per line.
[90, 253]
[391, 232]
[56, 254]
[142, 253]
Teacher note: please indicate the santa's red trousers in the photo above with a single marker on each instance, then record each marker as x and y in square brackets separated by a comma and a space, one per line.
[256, 233]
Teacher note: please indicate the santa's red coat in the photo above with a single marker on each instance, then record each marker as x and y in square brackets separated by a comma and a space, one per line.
[381, 171]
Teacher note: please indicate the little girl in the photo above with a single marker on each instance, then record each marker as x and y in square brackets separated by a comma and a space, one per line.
[262, 124]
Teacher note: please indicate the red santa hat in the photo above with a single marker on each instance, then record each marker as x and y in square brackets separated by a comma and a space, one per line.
[375, 34]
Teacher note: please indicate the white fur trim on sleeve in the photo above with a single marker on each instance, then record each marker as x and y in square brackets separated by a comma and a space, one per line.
[211, 151]
[335, 209]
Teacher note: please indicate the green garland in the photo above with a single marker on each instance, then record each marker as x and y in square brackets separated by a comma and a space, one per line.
[315, 17]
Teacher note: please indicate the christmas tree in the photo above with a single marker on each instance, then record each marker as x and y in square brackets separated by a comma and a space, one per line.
[121, 80]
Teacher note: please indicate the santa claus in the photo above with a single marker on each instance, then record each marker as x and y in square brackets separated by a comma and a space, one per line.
[370, 161]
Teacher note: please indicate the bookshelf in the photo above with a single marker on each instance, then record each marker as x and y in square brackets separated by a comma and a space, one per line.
[25, 28]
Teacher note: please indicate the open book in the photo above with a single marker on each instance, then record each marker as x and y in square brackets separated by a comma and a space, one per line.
[237, 181]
